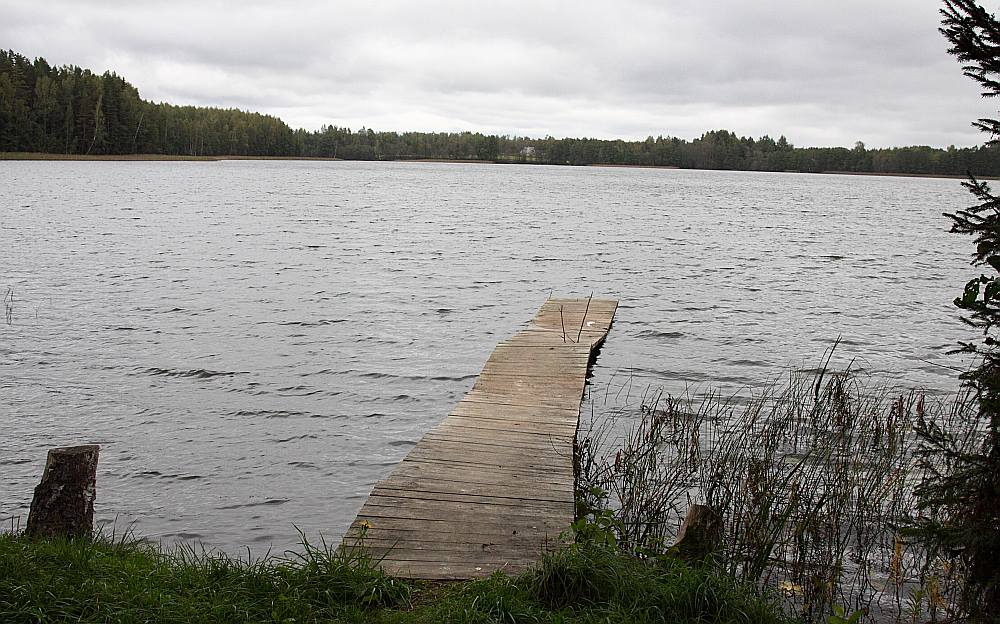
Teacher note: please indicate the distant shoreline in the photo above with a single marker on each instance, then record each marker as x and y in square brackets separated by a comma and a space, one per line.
[144, 157]
[945, 176]
[183, 158]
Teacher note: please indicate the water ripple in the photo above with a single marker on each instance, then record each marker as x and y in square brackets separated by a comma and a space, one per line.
[249, 332]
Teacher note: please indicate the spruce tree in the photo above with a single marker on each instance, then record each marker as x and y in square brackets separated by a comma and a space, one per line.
[960, 495]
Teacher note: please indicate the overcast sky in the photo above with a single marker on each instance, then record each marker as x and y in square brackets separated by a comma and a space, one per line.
[819, 72]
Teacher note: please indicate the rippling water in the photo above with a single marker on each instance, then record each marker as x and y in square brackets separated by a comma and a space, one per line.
[255, 343]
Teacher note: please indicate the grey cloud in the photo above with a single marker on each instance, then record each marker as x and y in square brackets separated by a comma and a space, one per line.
[820, 73]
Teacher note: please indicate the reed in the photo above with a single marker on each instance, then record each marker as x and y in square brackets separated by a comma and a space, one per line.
[813, 475]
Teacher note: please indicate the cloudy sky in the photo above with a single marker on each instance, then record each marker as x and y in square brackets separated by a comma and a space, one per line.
[819, 72]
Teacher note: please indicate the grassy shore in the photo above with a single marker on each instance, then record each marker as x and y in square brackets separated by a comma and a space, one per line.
[129, 581]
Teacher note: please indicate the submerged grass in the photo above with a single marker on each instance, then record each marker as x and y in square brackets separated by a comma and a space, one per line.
[127, 580]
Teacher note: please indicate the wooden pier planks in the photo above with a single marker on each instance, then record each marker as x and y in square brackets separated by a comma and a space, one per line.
[491, 487]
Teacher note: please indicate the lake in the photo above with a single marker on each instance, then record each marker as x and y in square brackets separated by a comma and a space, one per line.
[255, 343]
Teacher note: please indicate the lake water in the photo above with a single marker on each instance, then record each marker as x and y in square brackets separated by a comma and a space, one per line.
[254, 344]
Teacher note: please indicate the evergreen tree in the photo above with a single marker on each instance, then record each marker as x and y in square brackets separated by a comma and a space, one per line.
[960, 494]
[67, 109]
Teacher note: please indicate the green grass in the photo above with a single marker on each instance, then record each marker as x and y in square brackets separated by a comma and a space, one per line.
[130, 581]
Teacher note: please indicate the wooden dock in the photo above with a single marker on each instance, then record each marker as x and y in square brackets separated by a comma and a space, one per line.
[491, 487]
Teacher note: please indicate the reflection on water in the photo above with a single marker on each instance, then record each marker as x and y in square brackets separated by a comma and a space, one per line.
[255, 343]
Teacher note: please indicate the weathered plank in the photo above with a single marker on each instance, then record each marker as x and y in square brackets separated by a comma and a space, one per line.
[491, 487]
[529, 507]
[484, 475]
[479, 450]
[509, 396]
[483, 428]
[528, 467]
[541, 426]
[433, 541]
[497, 443]
[514, 413]
[450, 530]
[440, 486]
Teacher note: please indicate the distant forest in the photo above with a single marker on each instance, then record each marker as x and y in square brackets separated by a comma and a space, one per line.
[69, 110]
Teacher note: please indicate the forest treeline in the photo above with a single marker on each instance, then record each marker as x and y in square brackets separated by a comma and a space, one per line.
[70, 110]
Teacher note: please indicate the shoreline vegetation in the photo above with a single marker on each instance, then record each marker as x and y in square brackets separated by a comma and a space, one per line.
[809, 531]
[127, 580]
[41, 156]
[72, 113]
[814, 479]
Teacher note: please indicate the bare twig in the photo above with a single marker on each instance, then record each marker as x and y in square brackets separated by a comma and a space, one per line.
[584, 319]
[562, 322]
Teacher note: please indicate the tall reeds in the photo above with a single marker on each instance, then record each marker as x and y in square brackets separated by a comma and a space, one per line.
[813, 476]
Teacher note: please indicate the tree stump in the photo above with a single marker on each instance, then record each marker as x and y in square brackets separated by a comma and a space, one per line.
[700, 535]
[63, 504]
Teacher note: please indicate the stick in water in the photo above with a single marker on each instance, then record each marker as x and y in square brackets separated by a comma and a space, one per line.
[584, 319]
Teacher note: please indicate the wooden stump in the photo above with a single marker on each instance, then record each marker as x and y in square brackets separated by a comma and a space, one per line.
[63, 504]
[700, 535]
